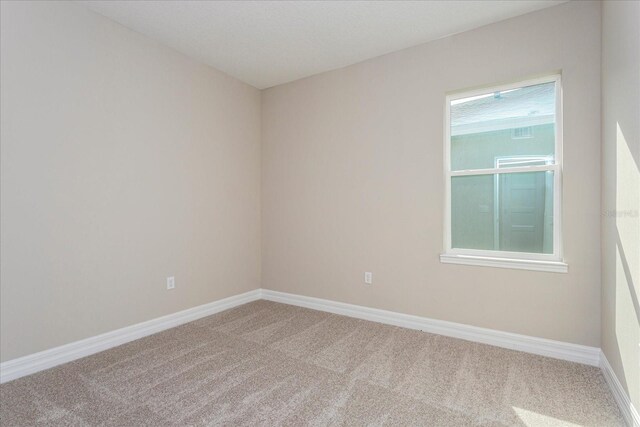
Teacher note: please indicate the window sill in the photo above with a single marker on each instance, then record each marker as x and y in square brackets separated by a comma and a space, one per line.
[519, 264]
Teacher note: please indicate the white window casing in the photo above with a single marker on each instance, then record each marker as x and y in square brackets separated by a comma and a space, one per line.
[550, 262]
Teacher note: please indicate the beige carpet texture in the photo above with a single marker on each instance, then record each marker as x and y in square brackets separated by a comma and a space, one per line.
[272, 364]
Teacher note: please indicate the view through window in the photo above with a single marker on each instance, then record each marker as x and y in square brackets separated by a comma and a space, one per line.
[503, 169]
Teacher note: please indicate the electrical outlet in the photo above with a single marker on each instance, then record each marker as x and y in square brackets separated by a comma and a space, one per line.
[171, 282]
[368, 277]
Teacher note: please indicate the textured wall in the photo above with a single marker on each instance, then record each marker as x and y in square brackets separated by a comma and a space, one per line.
[123, 162]
[352, 180]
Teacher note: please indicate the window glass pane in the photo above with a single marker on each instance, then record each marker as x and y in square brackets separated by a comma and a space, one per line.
[472, 212]
[516, 122]
[506, 212]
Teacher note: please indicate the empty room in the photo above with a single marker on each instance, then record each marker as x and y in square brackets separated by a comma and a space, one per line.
[292, 213]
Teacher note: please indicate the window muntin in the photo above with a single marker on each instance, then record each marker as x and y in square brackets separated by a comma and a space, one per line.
[503, 193]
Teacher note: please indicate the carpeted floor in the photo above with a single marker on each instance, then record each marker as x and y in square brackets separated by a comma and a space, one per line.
[272, 364]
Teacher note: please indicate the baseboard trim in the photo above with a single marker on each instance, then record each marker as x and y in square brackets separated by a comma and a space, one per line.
[46, 359]
[544, 347]
[36, 362]
[629, 412]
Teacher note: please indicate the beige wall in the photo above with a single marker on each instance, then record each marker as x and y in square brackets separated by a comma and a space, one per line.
[352, 180]
[123, 162]
[621, 192]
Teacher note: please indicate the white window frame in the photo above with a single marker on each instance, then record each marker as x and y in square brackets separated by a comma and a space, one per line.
[505, 259]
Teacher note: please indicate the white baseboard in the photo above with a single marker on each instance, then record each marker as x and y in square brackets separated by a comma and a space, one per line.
[33, 363]
[629, 412]
[544, 347]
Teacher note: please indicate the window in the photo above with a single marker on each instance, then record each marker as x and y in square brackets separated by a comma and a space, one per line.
[503, 163]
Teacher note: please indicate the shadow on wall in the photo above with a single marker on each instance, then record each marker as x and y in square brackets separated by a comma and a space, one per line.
[627, 274]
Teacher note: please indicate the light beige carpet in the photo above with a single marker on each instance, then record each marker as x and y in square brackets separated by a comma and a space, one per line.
[272, 364]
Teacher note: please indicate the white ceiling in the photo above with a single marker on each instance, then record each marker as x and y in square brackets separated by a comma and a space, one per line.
[266, 43]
